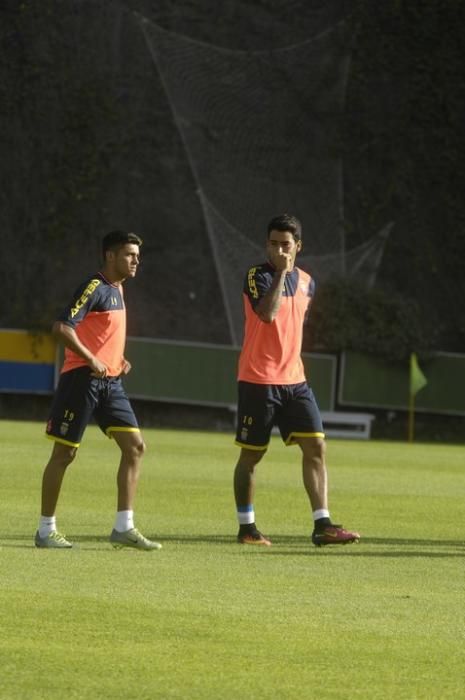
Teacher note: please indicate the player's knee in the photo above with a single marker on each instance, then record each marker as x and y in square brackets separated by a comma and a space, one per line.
[320, 448]
[314, 450]
[250, 458]
[141, 448]
[63, 455]
[134, 450]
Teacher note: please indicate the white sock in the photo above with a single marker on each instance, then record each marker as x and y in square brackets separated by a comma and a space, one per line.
[246, 515]
[321, 513]
[124, 520]
[47, 524]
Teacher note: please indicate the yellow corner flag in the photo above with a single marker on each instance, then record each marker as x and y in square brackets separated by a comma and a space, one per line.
[417, 378]
[417, 382]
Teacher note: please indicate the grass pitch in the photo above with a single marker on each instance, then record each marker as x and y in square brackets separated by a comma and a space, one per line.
[208, 618]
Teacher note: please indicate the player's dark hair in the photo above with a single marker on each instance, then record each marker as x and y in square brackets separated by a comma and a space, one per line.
[286, 222]
[117, 239]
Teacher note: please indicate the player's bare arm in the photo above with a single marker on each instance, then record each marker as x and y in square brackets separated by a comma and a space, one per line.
[268, 306]
[307, 313]
[70, 338]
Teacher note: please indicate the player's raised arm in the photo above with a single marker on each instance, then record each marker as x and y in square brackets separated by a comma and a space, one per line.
[268, 306]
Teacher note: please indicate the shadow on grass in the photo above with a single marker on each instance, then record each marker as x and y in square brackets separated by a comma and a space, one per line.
[23, 541]
[304, 540]
[389, 547]
[301, 545]
[283, 545]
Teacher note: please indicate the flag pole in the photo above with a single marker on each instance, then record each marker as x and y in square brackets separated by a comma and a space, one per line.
[411, 417]
[416, 383]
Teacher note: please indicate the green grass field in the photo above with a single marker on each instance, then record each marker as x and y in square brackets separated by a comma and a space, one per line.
[208, 618]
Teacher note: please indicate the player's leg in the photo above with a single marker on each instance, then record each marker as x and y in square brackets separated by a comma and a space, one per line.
[132, 448]
[124, 533]
[301, 424]
[70, 412]
[60, 459]
[314, 471]
[47, 534]
[254, 423]
[116, 418]
[244, 491]
[315, 480]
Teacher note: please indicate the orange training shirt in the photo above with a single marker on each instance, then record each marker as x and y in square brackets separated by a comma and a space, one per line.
[98, 315]
[271, 352]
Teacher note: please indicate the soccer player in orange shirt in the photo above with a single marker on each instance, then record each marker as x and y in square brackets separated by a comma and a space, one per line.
[93, 330]
[272, 388]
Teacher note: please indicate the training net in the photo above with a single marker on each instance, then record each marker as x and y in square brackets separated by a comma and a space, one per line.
[260, 130]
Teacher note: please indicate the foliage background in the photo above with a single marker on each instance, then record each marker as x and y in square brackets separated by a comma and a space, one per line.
[88, 144]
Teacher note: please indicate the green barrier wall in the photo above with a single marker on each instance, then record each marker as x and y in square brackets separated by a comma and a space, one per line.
[368, 382]
[206, 374]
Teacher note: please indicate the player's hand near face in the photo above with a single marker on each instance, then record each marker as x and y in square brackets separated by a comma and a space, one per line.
[283, 261]
[281, 248]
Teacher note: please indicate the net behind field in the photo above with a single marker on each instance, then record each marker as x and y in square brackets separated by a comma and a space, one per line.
[261, 133]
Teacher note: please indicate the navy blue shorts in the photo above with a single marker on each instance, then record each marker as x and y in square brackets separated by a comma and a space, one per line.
[291, 407]
[78, 397]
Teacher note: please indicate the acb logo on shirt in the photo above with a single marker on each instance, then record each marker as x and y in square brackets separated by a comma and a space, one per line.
[251, 282]
[84, 298]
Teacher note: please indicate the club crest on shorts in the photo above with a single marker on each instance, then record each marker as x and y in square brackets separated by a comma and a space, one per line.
[64, 427]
